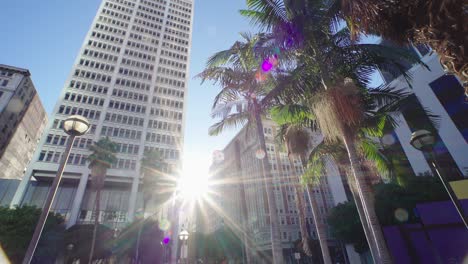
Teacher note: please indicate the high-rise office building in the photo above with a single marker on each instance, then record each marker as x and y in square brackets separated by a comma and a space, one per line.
[22, 121]
[243, 205]
[129, 80]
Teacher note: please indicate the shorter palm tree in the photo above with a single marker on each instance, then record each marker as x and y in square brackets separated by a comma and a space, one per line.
[156, 186]
[101, 159]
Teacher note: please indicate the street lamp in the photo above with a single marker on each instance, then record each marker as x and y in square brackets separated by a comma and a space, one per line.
[74, 126]
[184, 235]
[424, 141]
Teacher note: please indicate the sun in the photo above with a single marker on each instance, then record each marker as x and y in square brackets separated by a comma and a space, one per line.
[194, 182]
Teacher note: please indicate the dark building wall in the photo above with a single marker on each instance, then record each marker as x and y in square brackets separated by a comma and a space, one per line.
[22, 121]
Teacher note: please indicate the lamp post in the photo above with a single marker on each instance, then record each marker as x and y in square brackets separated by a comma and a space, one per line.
[74, 126]
[424, 141]
[183, 236]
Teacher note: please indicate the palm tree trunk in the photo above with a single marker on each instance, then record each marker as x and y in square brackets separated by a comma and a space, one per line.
[277, 251]
[382, 255]
[362, 215]
[301, 208]
[96, 223]
[319, 226]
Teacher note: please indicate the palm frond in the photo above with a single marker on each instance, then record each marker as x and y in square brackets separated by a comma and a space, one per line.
[370, 150]
[235, 120]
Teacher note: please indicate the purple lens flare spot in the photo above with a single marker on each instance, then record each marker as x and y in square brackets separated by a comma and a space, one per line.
[166, 240]
[267, 65]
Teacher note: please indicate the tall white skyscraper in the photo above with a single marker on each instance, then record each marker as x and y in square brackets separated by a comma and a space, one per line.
[129, 79]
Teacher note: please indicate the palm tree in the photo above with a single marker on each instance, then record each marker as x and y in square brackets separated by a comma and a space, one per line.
[101, 159]
[154, 184]
[240, 102]
[442, 24]
[299, 143]
[331, 72]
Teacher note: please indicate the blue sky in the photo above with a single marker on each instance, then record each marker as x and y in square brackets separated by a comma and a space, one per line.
[45, 37]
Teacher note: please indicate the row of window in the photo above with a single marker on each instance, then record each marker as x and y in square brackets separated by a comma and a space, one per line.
[110, 29]
[127, 107]
[135, 74]
[170, 82]
[167, 91]
[97, 65]
[6, 73]
[88, 113]
[132, 84]
[138, 64]
[165, 153]
[104, 46]
[150, 10]
[182, 14]
[130, 95]
[171, 72]
[92, 76]
[176, 32]
[123, 2]
[177, 19]
[184, 28]
[140, 55]
[151, 4]
[84, 99]
[124, 164]
[110, 38]
[146, 31]
[88, 87]
[172, 63]
[173, 55]
[180, 2]
[174, 39]
[141, 46]
[166, 114]
[144, 38]
[127, 148]
[55, 157]
[123, 119]
[187, 10]
[100, 55]
[160, 138]
[114, 22]
[148, 17]
[148, 24]
[168, 102]
[120, 133]
[119, 8]
[161, 125]
[174, 47]
[115, 14]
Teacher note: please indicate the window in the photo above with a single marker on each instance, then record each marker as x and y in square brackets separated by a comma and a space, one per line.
[5, 83]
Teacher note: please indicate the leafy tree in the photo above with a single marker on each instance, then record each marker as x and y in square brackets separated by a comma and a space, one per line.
[102, 157]
[17, 227]
[346, 226]
[77, 242]
[151, 248]
[243, 85]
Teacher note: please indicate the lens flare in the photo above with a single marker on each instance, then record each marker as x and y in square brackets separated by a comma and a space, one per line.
[260, 154]
[164, 224]
[218, 156]
[267, 65]
[166, 240]
[401, 215]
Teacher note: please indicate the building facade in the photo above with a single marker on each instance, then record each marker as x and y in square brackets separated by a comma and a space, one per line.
[237, 172]
[130, 81]
[22, 121]
[443, 95]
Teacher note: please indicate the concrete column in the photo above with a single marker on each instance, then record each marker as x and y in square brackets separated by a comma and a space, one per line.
[133, 198]
[76, 206]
